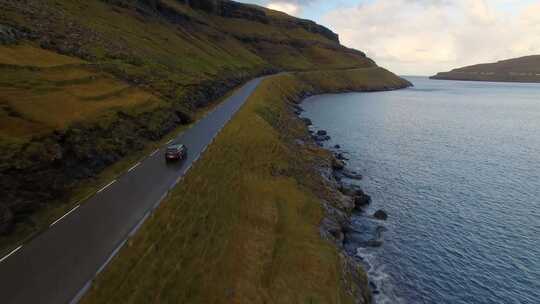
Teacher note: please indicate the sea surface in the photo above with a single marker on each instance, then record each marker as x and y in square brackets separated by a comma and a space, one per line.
[457, 167]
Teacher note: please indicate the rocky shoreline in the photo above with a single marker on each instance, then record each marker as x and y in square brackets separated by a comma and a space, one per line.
[355, 200]
[336, 225]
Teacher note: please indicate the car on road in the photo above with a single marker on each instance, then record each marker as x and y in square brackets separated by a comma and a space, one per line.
[176, 152]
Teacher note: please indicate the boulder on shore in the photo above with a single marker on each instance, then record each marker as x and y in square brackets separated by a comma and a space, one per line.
[322, 132]
[337, 147]
[340, 156]
[380, 215]
[332, 229]
[307, 121]
[350, 189]
[361, 200]
[321, 137]
[298, 108]
[351, 174]
[338, 164]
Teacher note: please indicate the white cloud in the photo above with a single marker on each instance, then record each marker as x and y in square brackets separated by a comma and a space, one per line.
[292, 9]
[424, 37]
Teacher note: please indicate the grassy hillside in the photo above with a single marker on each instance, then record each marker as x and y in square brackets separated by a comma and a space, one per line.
[523, 69]
[243, 226]
[84, 84]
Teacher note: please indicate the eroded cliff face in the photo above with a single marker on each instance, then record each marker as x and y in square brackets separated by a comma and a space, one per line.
[231, 9]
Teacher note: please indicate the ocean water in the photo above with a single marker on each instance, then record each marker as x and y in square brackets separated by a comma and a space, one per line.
[457, 167]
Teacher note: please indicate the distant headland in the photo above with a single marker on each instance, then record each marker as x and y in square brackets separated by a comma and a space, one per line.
[522, 69]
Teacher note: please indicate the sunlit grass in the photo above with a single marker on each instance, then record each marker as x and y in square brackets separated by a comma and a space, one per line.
[37, 100]
[26, 55]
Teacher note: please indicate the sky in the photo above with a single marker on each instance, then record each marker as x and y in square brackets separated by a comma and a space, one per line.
[423, 37]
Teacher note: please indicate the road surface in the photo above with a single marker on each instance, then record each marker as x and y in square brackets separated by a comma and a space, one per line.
[59, 264]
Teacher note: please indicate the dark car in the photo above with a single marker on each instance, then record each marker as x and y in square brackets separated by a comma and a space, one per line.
[176, 152]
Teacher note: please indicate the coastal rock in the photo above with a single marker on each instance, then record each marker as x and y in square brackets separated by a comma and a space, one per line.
[361, 201]
[380, 215]
[338, 164]
[307, 121]
[350, 189]
[338, 216]
[298, 108]
[322, 132]
[374, 243]
[346, 202]
[374, 288]
[337, 147]
[331, 229]
[340, 156]
[351, 174]
[321, 138]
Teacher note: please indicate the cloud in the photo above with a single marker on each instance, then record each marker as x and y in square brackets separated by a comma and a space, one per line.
[424, 37]
[292, 9]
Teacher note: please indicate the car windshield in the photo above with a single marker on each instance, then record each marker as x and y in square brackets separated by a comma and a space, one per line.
[174, 148]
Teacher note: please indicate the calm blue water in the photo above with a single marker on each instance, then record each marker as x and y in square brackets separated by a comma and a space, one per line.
[457, 167]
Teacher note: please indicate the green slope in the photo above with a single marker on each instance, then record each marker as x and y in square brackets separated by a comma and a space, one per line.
[88, 84]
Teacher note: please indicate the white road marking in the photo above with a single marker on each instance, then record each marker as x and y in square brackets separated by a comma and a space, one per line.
[154, 153]
[9, 254]
[63, 216]
[135, 166]
[108, 185]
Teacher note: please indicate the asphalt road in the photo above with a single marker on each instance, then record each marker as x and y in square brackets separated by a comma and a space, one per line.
[57, 266]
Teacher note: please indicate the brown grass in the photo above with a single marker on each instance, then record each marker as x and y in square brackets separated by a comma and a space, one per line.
[36, 100]
[27, 55]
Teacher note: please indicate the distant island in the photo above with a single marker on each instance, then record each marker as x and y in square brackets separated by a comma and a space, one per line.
[523, 69]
